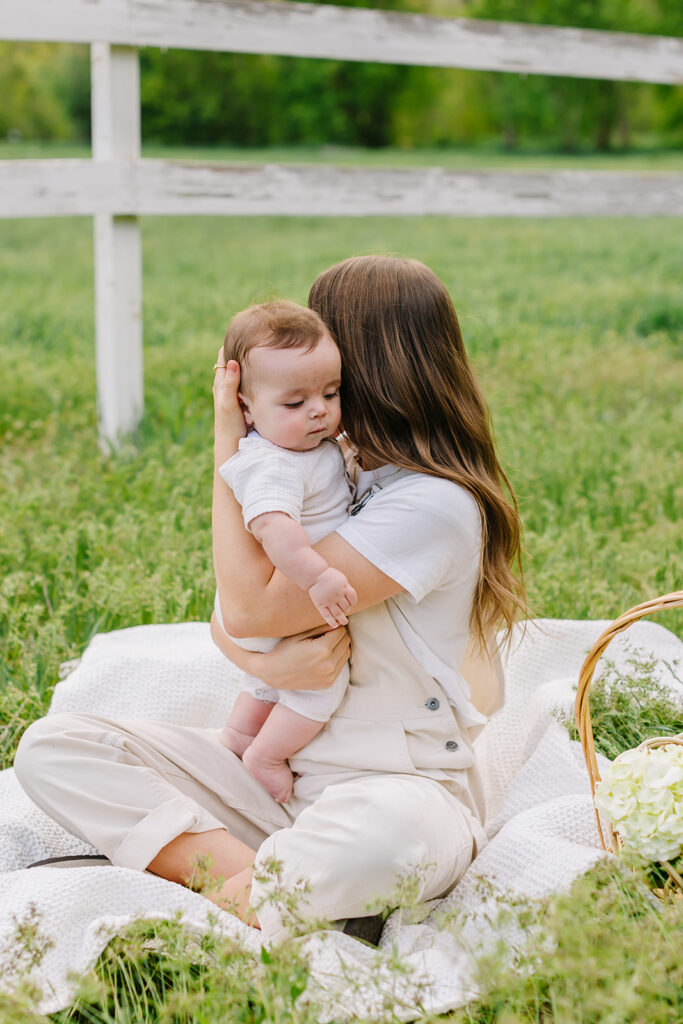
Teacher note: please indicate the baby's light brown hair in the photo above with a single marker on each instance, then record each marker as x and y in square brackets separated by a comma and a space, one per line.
[278, 324]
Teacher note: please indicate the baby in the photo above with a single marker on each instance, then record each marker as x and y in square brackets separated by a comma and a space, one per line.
[288, 475]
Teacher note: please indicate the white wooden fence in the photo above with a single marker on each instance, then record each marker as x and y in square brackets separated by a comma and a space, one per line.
[116, 186]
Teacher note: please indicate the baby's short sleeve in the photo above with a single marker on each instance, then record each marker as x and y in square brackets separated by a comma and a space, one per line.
[264, 479]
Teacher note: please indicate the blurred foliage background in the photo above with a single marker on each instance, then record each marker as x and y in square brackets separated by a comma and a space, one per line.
[191, 98]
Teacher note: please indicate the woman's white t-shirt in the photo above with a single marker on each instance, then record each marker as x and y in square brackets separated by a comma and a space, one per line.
[425, 533]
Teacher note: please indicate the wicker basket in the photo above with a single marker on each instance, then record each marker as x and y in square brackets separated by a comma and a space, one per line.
[583, 717]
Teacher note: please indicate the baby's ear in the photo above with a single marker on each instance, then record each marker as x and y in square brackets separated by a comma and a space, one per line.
[244, 402]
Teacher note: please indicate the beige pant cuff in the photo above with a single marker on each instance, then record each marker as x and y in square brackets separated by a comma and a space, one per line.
[157, 829]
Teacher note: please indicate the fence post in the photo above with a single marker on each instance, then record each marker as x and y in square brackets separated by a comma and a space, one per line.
[115, 78]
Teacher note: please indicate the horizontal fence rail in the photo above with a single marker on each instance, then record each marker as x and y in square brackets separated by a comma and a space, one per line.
[40, 188]
[342, 33]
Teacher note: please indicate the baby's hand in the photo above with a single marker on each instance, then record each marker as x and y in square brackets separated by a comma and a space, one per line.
[333, 595]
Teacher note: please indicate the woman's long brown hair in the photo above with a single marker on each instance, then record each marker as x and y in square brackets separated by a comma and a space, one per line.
[410, 398]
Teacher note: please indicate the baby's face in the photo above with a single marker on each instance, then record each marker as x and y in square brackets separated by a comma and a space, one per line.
[294, 394]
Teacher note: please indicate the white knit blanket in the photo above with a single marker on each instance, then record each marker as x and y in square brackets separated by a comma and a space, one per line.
[541, 824]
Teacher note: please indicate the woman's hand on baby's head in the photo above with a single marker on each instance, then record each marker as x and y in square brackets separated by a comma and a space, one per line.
[229, 419]
[333, 596]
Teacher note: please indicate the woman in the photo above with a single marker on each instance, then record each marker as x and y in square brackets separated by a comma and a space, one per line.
[390, 787]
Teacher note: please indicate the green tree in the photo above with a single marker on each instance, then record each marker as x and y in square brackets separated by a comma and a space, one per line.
[577, 111]
[252, 100]
[36, 85]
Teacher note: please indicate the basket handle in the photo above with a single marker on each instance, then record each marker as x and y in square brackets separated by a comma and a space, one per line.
[582, 707]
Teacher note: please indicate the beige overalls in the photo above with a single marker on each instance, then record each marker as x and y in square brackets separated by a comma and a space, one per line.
[389, 788]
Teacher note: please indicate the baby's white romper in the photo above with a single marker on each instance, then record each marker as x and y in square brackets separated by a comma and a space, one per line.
[312, 488]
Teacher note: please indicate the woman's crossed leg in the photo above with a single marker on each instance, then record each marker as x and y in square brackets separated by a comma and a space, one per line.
[175, 801]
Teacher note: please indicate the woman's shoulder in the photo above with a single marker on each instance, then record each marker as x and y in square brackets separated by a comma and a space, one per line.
[422, 531]
[437, 497]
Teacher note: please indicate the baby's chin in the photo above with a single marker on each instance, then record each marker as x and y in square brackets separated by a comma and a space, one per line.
[308, 443]
[312, 441]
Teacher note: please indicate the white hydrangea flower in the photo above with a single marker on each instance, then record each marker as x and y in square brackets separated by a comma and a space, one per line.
[642, 795]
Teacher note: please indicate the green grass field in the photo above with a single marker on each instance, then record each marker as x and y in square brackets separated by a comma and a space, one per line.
[575, 329]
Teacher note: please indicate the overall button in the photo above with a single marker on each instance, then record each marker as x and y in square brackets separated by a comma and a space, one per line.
[433, 704]
[451, 745]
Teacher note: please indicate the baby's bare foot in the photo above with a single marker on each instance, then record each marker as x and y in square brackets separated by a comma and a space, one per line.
[275, 776]
[234, 740]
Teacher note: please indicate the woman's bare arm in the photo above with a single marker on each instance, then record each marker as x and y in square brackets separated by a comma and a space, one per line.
[255, 599]
[278, 606]
[233, 563]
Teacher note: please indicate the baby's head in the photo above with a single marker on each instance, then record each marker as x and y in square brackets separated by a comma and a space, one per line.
[290, 373]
